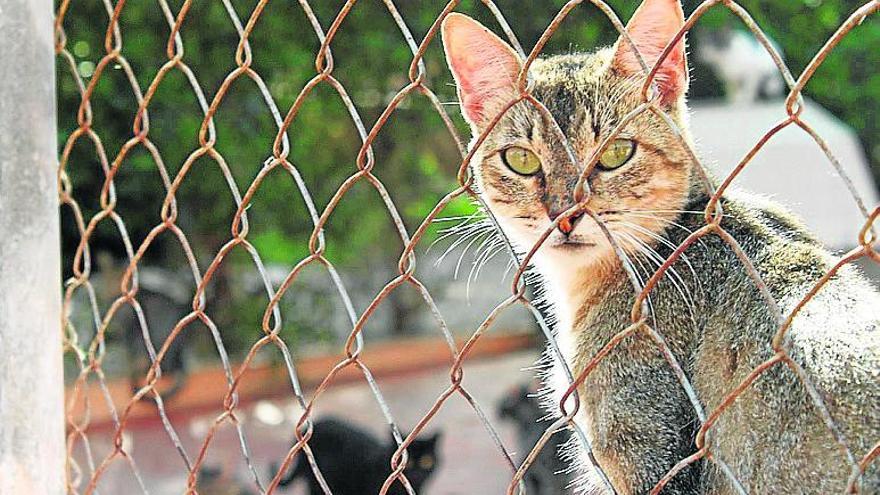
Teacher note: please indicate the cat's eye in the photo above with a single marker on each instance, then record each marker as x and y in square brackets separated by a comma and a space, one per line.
[617, 154]
[521, 160]
[426, 462]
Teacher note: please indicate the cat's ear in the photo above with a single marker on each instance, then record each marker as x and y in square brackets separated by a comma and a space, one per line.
[484, 66]
[435, 438]
[651, 28]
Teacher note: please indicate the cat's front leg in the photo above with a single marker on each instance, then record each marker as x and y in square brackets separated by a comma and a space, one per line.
[641, 424]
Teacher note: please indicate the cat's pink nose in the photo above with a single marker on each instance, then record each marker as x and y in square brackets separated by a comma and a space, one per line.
[567, 225]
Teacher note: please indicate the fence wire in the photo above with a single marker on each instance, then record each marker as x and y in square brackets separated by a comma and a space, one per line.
[90, 355]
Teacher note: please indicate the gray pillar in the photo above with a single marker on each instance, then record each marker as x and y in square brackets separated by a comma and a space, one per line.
[31, 380]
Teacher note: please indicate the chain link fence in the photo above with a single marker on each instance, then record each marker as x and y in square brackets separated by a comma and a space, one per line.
[90, 355]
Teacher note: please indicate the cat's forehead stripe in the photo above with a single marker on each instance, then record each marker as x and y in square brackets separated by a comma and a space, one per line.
[575, 91]
[570, 106]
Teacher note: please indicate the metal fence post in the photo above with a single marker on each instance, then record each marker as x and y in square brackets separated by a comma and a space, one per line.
[31, 379]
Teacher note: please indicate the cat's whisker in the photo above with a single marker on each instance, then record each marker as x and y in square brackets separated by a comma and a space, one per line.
[498, 247]
[440, 239]
[661, 220]
[455, 218]
[454, 245]
[491, 249]
[657, 257]
[484, 247]
[471, 234]
[671, 274]
[672, 246]
[510, 264]
[650, 215]
[474, 231]
[471, 230]
[666, 242]
[653, 213]
[623, 241]
[691, 212]
[484, 250]
[482, 235]
[674, 277]
[464, 226]
[466, 223]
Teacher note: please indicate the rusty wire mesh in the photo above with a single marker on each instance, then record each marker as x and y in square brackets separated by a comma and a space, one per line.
[90, 355]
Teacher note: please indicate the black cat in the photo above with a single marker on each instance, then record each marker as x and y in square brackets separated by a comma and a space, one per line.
[353, 462]
[546, 476]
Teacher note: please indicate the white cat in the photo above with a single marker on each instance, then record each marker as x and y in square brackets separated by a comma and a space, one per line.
[742, 64]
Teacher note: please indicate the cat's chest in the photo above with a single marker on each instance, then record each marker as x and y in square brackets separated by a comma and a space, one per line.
[586, 323]
[569, 340]
[587, 315]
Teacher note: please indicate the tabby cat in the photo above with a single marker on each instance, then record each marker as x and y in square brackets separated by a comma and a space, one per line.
[647, 191]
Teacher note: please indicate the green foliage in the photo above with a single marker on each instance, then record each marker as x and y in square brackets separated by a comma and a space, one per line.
[415, 156]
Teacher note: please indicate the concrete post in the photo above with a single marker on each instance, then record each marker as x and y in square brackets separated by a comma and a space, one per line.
[31, 378]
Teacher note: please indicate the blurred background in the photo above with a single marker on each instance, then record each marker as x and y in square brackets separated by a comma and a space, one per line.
[736, 93]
